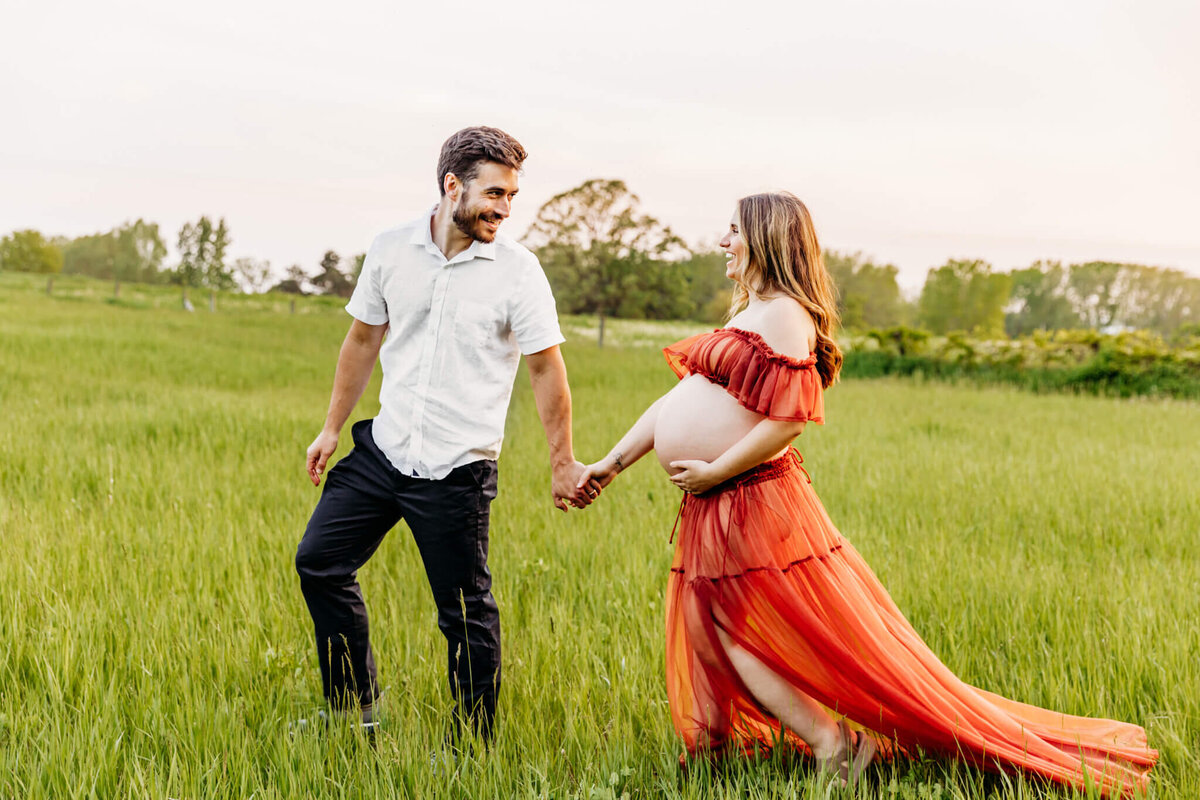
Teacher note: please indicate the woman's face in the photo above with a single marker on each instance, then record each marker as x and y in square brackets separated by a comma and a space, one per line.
[735, 250]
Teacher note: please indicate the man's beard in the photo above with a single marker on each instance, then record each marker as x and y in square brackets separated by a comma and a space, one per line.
[469, 222]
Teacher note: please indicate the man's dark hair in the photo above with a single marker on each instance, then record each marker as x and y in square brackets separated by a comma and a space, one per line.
[463, 152]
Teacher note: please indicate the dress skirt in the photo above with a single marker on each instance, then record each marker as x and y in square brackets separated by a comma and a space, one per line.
[759, 558]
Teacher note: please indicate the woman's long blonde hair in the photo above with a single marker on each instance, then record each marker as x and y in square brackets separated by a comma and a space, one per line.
[783, 256]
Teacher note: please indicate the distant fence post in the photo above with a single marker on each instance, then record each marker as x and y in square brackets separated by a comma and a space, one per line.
[116, 290]
[292, 303]
[212, 300]
[50, 285]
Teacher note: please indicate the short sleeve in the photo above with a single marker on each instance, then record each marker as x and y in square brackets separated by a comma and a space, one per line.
[763, 381]
[367, 303]
[534, 317]
[677, 355]
[779, 388]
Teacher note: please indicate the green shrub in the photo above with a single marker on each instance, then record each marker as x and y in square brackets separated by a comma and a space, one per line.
[1083, 361]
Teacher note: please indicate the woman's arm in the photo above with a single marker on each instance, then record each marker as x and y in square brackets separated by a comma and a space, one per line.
[638, 441]
[763, 441]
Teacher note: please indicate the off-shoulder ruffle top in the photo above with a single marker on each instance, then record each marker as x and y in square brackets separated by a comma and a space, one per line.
[762, 380]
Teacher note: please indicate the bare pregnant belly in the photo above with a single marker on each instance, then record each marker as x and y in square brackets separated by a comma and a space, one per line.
[699, 420]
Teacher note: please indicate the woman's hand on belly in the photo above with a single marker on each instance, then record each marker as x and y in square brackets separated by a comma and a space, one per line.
[694, 476]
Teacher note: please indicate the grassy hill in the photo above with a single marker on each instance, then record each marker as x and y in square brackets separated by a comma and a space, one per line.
[156, 643]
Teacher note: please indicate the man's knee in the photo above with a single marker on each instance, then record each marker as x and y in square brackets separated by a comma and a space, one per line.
[304, 563]
[313, 565]
[314, 561]
[472, 620]
[459, 607]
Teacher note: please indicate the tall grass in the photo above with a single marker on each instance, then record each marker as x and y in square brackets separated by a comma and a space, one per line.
[156, 644]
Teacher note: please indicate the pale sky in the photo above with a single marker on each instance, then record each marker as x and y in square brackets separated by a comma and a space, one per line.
[914, 131]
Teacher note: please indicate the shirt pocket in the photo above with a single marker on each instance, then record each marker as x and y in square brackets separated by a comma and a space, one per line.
[479, 324]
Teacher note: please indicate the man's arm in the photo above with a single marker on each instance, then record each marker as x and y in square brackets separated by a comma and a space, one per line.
[355, 362]
[548, 374]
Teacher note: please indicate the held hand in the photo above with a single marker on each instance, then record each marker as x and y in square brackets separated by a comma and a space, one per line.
[565, 489]
[694, 477]
[318, 455]
[597, 476]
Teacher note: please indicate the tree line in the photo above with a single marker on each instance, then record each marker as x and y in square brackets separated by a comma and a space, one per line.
[604, 255]
[135, 252]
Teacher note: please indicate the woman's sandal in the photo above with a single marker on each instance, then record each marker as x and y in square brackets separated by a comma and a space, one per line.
[858, 751]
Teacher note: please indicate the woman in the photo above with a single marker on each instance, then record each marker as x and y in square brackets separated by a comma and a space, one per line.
[772, 616]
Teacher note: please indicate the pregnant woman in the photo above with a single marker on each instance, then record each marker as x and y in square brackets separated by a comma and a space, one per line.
[774, 621]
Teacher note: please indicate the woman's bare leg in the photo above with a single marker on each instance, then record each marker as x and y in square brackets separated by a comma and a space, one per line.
[801, 714]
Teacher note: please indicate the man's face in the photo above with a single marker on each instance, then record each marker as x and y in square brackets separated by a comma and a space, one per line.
[486, 201]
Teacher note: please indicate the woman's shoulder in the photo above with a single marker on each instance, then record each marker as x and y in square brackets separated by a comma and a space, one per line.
[788, 328]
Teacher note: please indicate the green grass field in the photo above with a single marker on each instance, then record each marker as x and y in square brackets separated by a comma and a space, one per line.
[155, 642]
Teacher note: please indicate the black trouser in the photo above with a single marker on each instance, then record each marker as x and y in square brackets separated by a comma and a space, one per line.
[364, 497]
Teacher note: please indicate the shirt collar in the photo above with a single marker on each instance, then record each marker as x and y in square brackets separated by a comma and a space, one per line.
[423, 237]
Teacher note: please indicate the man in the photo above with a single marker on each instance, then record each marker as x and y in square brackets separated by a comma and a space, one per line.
[459, 304]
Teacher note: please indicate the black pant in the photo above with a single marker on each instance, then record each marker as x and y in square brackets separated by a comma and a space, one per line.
[364, 497]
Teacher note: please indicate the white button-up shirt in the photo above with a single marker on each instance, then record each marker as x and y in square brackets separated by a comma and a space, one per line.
[458, 329]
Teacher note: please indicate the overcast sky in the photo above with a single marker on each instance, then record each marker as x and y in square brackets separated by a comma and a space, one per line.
[914, 131]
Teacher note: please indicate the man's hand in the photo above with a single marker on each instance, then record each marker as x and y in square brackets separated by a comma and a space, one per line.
[318, 454]
[564, 486]
[599, 475]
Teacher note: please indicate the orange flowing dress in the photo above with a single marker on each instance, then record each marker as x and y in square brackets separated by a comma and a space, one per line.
[759, 558]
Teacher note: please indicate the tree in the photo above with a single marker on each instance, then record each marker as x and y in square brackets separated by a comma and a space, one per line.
[1094, 289]
[28, 251]
[708, 290]
[293, 282]
[92, 255]
[868, 295]
[1100, 295]
[190, 258]
[964, 296]
[252, 274]
[604, 256]
[1038, 300]
[1138, 296]
[140, 252]
[663, 293]
[1163, 300]
[202, 256]
[131, 252]
[216, 274]
[331, 279]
